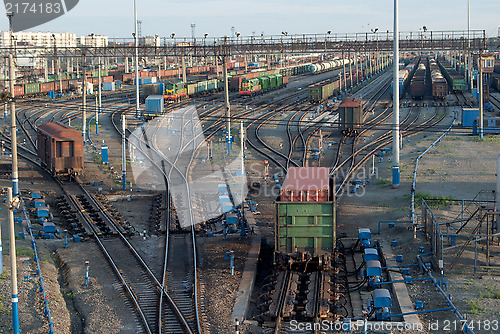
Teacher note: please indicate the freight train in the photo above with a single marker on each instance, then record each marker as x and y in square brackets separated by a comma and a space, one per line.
[27, 90]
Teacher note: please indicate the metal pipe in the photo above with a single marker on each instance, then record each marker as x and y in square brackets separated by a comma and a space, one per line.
[13, 263]
[446, 297]
[420, 312]
[39, 270]
[395, 101]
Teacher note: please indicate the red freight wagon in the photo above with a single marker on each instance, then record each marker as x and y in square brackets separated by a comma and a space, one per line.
[107, 79]
[18, 90]
[46, 87]
[306, 184]
[60, 148]
[65, 85]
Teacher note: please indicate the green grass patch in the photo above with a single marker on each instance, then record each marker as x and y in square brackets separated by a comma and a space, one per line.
[487, 139]
[438, 202]
[383, 182]
[474, 308]
[24, 251]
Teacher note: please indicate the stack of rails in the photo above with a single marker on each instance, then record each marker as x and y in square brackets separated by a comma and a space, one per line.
[438, 83]
[455, 80]
[417, 84]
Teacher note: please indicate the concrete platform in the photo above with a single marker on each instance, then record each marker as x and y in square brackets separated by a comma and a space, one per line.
[247, 282]
[399, 289]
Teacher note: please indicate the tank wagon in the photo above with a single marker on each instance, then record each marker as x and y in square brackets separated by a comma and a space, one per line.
[60, 149]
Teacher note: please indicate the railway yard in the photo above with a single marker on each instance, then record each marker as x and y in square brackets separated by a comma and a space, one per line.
[250, 193]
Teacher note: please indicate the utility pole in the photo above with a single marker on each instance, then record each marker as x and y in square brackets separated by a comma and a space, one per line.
[13, 128]
[84, 101]
[124, 157]
[136, 36]
[13, 203]
[345, 77]
[469, 69]
[100, 98]
[183, 61]
[228, 106]
[395, 101]
[480, 87]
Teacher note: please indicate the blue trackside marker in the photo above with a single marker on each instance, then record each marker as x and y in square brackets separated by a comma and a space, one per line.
[15, 315]
[15, 184]
[395, 176]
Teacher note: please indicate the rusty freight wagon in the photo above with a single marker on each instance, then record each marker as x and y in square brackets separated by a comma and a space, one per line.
[60, 149]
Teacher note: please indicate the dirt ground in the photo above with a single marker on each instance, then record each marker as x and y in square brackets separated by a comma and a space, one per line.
[460, 166]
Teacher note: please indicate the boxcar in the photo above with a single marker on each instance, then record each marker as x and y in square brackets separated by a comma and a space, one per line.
[60, 149]
[351, 115]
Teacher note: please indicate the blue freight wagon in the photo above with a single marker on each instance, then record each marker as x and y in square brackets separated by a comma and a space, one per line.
[155, 106]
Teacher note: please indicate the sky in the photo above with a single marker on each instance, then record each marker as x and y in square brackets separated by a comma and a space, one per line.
[114, 18]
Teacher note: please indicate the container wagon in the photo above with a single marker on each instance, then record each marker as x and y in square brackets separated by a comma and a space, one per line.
[60, 149]
[306, 214]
